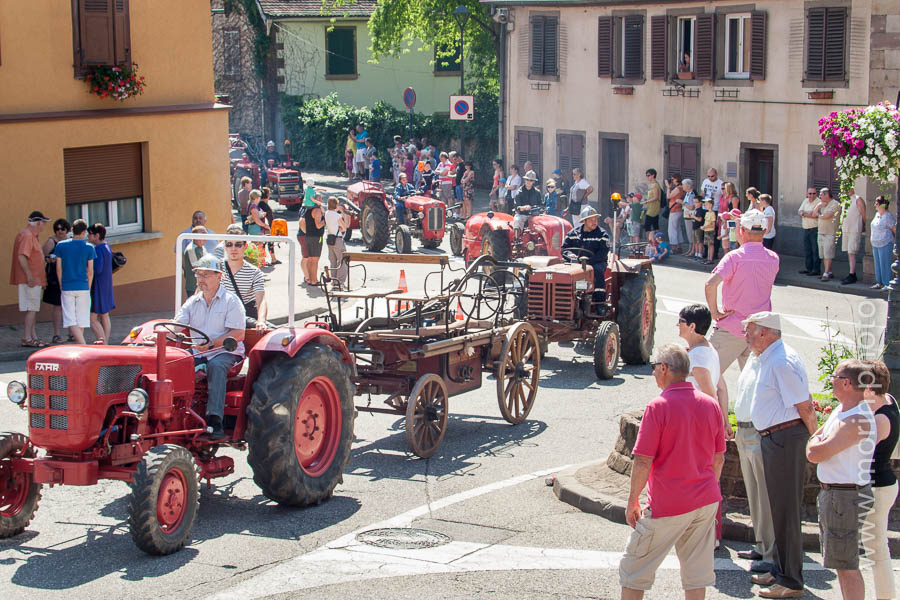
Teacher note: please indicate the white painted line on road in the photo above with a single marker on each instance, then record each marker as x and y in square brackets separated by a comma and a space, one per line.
[816, 329]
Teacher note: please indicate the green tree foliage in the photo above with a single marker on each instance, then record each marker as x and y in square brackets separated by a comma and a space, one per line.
[399, 26]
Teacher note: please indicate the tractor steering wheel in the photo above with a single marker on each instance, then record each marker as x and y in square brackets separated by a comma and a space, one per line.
[178, 337]
[575, 254]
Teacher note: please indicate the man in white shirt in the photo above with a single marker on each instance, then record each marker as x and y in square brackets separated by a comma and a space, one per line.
[712, 188]
[513, 185]
[578, 195]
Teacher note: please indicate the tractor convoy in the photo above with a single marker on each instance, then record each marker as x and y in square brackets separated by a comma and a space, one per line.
[134, 412]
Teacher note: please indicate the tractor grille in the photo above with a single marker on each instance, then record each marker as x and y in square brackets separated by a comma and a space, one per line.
[59, 422]
[435, 218]
[59, 403]
[58, 383]
[39, 406]
[37, 401]
[117, 379]
[36, 382]
[548, 300]
[38, 421]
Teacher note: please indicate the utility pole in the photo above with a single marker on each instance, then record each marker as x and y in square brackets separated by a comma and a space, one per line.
[461, 14]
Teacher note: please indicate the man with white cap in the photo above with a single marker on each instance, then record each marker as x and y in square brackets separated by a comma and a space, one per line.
[783, 414]
[527, 198]
[591, 237]
[271, 154]
[746, 276]
[219, 314]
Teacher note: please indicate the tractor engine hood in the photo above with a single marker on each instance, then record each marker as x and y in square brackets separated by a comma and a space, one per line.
[71, 388]
[421, 203]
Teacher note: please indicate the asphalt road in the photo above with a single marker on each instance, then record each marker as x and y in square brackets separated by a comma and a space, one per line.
[484, 489]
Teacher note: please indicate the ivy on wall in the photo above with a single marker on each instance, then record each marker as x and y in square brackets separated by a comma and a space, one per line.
[262, 43]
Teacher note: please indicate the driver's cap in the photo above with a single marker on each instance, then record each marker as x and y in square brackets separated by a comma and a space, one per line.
[587, 212]
[208, 262]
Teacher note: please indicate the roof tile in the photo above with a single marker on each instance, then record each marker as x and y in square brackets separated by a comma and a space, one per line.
[313, 8]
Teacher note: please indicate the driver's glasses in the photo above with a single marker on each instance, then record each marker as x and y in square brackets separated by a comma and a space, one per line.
[204, 274]
[234, 244]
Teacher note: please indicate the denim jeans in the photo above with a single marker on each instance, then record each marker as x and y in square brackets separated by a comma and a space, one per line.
[400, 207]
[811, 249]
[883, 257]
[217, 368]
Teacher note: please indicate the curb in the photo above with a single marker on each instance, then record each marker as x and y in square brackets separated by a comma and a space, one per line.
[568, 489]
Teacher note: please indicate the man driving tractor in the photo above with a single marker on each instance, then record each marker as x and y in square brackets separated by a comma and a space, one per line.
[594, 242]
[401, 191]
[527, 198]
[271, 154]
[218, 314]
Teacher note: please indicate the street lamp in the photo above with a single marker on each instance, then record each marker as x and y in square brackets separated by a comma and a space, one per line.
[461, 14]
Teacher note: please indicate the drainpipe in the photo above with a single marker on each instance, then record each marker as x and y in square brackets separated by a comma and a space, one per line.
[502, 99]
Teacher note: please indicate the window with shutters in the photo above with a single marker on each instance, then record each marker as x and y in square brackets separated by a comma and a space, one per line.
[340, 46]
[682, 158]
[659, 26]
[104, 184]
[544, 46]
[620, 48]
[569, 152]
[529, 148]
[826, 44]
[101, 34]
[737, 46]
[821, 171]
[684, 47]
[231, 38]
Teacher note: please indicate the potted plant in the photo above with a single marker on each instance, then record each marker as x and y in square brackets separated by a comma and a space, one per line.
[119, 82]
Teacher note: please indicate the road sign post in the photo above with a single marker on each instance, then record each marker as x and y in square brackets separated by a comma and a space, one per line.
[409, 99]
[462, 107]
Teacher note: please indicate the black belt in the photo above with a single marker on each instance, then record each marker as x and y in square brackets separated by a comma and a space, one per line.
[841, 486]
[780, 426]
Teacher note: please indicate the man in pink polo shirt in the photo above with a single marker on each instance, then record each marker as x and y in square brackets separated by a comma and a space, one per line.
[746, 276]
[679, 453]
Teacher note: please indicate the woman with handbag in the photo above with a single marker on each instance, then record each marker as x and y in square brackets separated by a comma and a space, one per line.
[245, 281]
[53, 293]
[675, 193]
[102, 301]
[336, 223]
[310, 232]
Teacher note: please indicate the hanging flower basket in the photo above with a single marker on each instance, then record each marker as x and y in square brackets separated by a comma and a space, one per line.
[864, 142]
[120, 82]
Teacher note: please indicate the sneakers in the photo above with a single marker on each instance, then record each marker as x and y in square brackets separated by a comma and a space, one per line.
[851, 278]
[215, 423]
[827, 276]
[876, 286]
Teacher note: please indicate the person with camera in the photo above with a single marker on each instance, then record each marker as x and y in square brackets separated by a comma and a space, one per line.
[336, 224]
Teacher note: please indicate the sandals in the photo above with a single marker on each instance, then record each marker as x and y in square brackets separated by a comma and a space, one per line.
[56, 340]
[35, 343]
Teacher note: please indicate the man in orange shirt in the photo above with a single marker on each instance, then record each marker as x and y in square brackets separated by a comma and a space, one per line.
[28, 273]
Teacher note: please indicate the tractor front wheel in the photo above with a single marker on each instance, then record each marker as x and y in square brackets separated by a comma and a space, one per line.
[456, 239]
[19, 494]
[165, 500]
[403, 240]
[374, 225]
[300, 426]
[637, 317]
[606, 350]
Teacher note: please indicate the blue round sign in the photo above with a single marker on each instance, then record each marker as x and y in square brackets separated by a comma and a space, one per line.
[409, 97]
[461, 107]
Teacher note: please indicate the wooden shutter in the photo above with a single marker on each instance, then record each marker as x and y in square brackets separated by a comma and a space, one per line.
[633, 30]
[815, 44]
[658, 38]
[577, 155]
[682, 160]
[822, 173]
[705, 46]
[122, 33]
[564, 161]
[604, 47]
[673, 166]
[537, 45]
[95, 26]
[835, 29]
[551, 46]
[95, 173]
[528, 147]
[757, 45]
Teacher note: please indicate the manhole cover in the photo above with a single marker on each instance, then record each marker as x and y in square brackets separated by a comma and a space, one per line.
[406, 538]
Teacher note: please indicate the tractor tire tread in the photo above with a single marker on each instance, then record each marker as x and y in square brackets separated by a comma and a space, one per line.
[14, 525]
[635, 350]
[382, 225]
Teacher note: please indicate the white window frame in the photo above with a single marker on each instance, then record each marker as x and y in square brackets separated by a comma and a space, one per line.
[113, 228]
[680, 40]
[744, 20]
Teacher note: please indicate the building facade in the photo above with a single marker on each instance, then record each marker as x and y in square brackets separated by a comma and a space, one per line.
[622, 86]
[140, 166]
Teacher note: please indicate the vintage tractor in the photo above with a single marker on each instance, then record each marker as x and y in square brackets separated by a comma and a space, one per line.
[492, 234]
[282, 177]
[373, 213]
[134, 413]
[560, 303]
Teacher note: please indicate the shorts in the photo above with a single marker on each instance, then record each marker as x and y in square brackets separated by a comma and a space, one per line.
[827, 247]
[651, 223]
[29, 298]
[520, 220]
[310, 246]
[709, 238]
[698, 236]
[76, 308]
[850, 241]
[840, 515]
[360, 156]
[693, 535]
[633, 228]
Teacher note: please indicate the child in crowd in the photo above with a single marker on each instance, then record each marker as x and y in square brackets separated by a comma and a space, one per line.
[375, 169]
[658, 248]
[468, 186]
[635, 216]
[348, 163]
[709, 231]
[732, 225]
[699, 217]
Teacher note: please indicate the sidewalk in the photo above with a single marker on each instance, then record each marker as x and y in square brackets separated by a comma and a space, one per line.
[596, 489]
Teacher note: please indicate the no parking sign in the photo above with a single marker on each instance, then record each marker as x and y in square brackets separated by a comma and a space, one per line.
[462, 108]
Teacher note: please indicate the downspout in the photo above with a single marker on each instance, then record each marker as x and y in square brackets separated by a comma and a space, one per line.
[502, 99]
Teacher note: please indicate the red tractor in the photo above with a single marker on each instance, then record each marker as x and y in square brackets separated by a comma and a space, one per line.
[493, 234]
[373, 213]
[133, 413]
[282, 177]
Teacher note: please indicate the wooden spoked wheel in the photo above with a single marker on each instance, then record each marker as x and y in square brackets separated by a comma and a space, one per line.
[518, 373]
[426, 415]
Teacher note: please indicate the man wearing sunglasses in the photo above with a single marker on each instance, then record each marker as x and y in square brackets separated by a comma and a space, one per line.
[810, 222]
[245, 281]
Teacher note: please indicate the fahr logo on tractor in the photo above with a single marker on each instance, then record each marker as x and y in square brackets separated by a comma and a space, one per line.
[373, 213]
[134, 413]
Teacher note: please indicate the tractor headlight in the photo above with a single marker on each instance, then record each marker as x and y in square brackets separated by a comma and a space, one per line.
[137, 400]
[16, 392]
[529, 246]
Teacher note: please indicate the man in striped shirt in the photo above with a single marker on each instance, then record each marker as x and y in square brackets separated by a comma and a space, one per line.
[245, 281]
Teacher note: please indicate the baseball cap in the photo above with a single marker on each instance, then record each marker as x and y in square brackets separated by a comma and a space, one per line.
[636, 195]
[36, 216]
[208, 262]
[754, 220]
[557, 172]
[765, 319]
[658, 235]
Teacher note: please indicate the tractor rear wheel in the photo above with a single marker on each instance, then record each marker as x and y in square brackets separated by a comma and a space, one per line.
[165, 500]
[403, 240]
[518, 373]
[606, 350]
[19, 494]
[637, 317]
[456, 239]
[236, 187]
[374, 225]
[300, 426]
[495, 242]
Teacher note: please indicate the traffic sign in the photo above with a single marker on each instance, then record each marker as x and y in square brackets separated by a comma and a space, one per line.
[462, 108]
[409, 97]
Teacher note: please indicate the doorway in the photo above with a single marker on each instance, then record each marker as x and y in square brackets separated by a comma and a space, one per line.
[613, 169]
[759, 164]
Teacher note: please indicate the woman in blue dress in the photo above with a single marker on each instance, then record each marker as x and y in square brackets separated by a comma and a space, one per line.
[101, 288]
